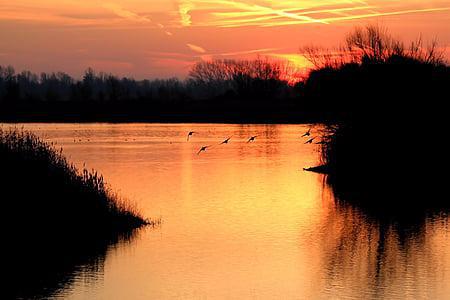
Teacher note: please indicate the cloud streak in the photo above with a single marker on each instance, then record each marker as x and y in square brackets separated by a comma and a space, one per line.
[265, 13]
[184, 9]
[244, 52]
[356, 17]
[126, 14]
[196, 48]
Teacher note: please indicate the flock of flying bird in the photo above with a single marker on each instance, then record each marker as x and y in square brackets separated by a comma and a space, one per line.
[226, 141]
[251, 139]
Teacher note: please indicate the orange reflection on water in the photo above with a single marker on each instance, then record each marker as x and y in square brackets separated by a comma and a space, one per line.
[242, 220]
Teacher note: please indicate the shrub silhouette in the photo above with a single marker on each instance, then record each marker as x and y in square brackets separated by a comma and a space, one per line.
[383, 151]
[55, 218]
[42, 191]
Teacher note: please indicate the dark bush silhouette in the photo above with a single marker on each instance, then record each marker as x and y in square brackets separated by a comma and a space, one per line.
[43, 189]
[55, 219]
[377, 74]
[386, 151]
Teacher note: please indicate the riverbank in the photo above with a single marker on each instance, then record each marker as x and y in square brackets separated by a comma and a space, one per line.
[38, 177]
[55, 218]
[386, 168]
[230, 113]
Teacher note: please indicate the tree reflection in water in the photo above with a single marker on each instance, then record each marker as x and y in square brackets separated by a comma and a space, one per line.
[374, 252]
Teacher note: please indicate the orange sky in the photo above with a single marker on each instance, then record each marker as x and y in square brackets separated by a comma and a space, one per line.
[163, 38]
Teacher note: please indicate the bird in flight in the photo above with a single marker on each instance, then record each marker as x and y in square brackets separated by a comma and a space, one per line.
[226, 141]
[308, 133]
[202, 149]
[191, 133]
[252, 139]
[310, 141]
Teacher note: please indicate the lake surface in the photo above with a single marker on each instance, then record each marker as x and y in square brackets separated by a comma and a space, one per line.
[243, 220]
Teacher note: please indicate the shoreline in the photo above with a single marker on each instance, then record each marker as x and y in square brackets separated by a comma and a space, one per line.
[153, 121]
[179, 118]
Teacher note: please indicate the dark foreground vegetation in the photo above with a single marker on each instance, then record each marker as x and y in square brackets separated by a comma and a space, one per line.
[387, 154]
[55, 219]
[385, 159]
[54, 193]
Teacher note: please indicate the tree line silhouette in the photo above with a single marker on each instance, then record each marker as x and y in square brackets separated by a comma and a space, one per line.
[27, 87]
[371, 71]
[207, 79]
[219, 88]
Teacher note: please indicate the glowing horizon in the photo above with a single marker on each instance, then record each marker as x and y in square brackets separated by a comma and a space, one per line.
[163, 38]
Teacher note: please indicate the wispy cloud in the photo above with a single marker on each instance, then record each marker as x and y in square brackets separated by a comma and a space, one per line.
[86, 15]
[184, 8]
[264, 13]
[126, 14]
[244, 52]
[196, 48]
[355, 17]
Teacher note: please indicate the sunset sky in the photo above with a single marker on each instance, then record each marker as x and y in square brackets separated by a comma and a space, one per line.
[163, 38]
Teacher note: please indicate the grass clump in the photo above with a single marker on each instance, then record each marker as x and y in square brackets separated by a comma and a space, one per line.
[55, 219]
[43, 191]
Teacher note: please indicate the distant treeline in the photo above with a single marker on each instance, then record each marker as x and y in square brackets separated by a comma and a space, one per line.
[372, 69]
[207, 80]
[218, 90]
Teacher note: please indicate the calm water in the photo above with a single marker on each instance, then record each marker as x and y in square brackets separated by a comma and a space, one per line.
[243, 221]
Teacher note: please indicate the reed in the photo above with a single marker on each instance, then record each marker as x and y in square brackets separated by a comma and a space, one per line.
[43, 190]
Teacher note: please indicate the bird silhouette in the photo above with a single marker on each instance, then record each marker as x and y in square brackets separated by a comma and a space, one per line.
[226, 141]
[310, 141]
[191, 133]
[202, 149]
[252, 139]
[308, 133]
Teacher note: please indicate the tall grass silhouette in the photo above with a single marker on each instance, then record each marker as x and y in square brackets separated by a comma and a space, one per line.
[56, 220]
[44, 189]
